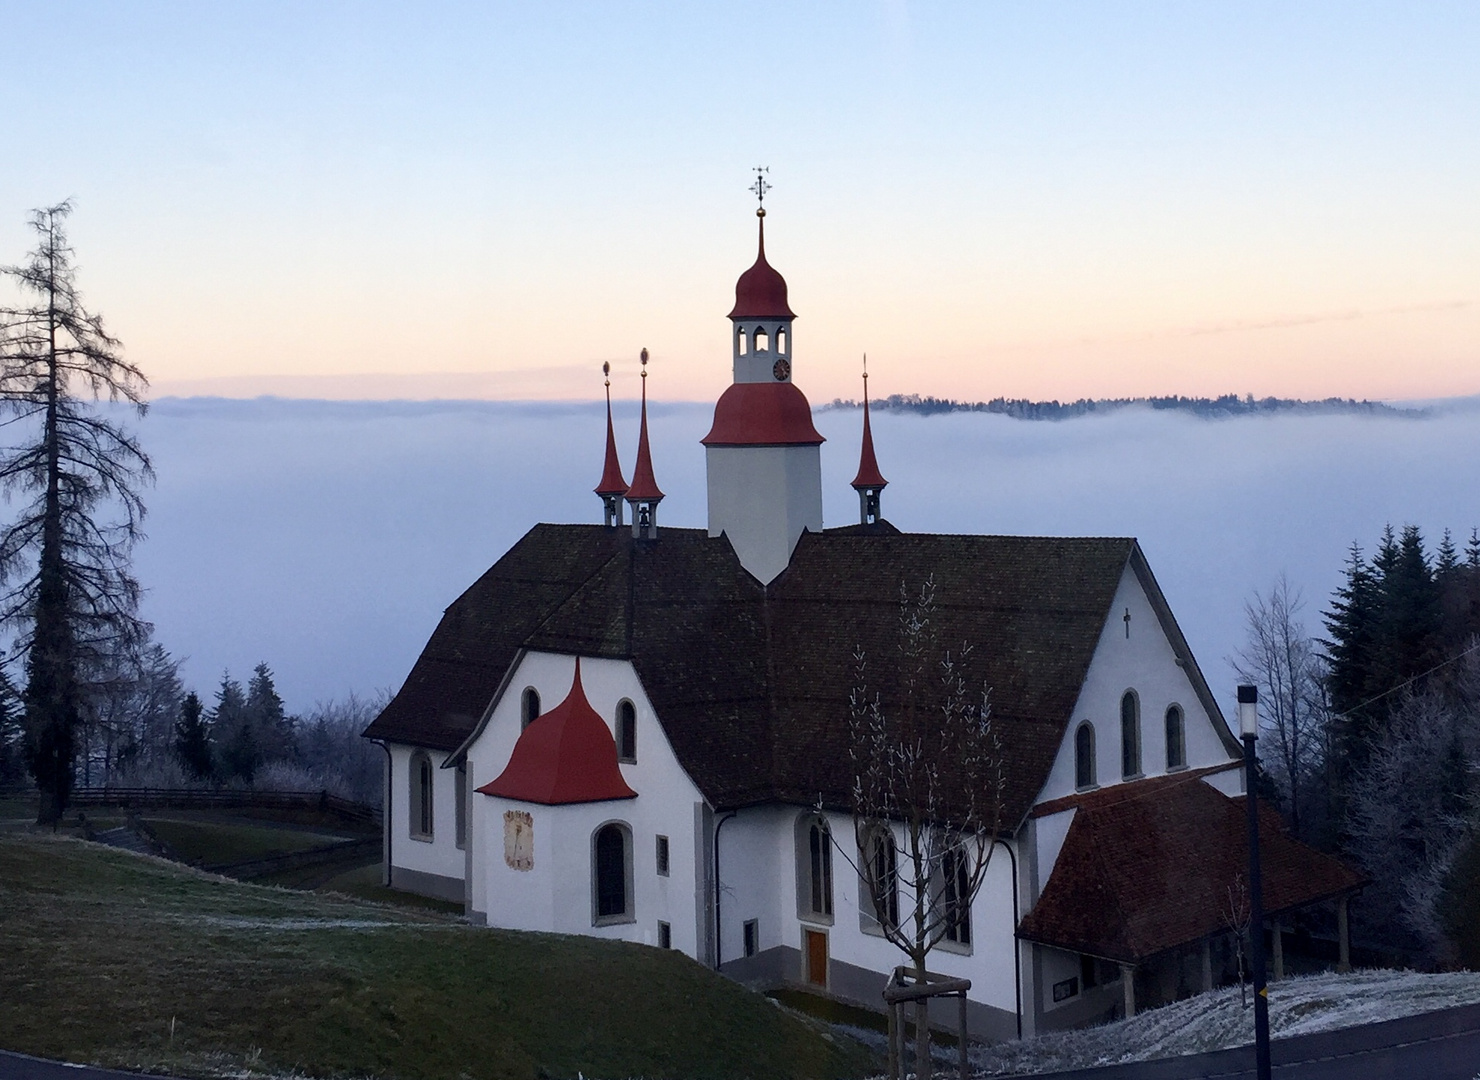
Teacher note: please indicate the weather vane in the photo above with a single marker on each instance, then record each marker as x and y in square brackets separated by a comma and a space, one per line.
[606, 370]
[760, 187]
[643, 358]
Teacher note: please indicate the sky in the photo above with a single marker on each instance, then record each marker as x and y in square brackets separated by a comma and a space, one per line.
[326, 538]
[1046, 199]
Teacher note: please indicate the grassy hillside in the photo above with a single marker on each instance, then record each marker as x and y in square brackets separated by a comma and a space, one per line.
[105, 951]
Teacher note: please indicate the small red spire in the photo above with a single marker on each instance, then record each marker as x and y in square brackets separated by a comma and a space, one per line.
[868, 466]
[611, 476]
[644, 487]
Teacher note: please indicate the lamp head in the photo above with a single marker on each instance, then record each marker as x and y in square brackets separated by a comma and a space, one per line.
[1248, 710]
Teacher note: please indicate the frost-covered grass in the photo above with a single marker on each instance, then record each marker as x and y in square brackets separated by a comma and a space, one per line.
[1216, 1021]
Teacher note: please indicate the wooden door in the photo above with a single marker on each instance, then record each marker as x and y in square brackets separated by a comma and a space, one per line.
[816, 957]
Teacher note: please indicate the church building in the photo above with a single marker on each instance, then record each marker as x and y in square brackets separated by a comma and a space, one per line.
[641, 732]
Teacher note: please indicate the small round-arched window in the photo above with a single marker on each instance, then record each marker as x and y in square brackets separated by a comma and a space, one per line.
[627, 732]
[1130, 735]
[529, 707]
[1176, 738]
[611, 865]
[1084, 756]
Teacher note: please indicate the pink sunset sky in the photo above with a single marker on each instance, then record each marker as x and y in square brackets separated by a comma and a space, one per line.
[1047, 200]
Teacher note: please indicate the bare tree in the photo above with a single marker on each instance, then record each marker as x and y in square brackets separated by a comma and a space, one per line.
[1283, 661]
[928, 781]
[68, 587]
[1238, 915]
[1411, 808]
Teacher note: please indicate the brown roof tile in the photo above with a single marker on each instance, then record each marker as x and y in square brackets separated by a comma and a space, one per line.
[751, 683]
[1146, 867]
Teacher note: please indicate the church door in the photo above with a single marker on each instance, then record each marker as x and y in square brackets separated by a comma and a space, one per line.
[816, 957]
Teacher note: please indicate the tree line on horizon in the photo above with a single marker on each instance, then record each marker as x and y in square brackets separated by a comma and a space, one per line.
[1214, 408]
[1371, 734]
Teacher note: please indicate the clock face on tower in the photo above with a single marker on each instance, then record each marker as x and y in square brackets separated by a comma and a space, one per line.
[781, 369]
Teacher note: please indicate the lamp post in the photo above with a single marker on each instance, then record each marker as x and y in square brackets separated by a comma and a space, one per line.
[1248, 722]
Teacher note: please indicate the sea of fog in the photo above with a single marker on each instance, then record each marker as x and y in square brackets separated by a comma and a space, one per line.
[325, 538]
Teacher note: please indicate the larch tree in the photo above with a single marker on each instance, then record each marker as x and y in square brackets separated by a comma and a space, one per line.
[928, 789]
[69, 592]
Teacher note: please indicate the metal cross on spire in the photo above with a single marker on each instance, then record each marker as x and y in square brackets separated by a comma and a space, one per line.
[761, 185]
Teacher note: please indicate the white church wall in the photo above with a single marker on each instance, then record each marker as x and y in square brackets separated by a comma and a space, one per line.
[762, 497]
[439, 855]
[561, 878]
[1230, 781]
[1144, 662]
[757, 879]
[1050, 832]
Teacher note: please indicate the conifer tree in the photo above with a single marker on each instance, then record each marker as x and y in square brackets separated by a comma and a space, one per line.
[233, 732]
[269, 720]
[192, 739]
[68, 587]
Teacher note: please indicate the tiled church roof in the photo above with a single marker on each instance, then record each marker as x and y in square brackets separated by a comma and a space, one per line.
[751, 683]
[1121, 889]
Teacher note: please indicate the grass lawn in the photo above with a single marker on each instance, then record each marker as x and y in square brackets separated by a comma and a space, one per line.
[107, 951]
[220, 843]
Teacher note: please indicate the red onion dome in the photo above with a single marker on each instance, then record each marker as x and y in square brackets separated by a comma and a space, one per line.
[761, 291]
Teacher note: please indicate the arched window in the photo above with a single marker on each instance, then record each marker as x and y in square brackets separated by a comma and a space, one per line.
[781, 340]
[529, 707]
[740, 339]
[880, 865]
[1084, 756]
[420, 803]
[955, 899]
[1176, 738]
[1130, 735]
[761, 339]
[814, 869]
[627, 732]
[611, 866]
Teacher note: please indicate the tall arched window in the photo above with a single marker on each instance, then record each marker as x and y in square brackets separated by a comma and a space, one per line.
[1084, 756]
[814, 869]
[761, 339]
[1130, 735]
[781, 340]
[627, 732]
[1176, 738]
[529, 707]
[880, 864]
[740, 340]
[955, 872]
[611, 866]
[420, 803]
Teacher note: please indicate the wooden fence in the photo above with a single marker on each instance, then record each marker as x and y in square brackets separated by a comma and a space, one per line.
[205, 798]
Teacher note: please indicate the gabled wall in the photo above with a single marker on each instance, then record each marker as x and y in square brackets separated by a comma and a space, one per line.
[428, 866]
[555, 894]
[1147, 663]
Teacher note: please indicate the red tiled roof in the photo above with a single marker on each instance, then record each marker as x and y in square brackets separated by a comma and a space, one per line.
[612, 482]
[868, 466]
[644, 486]
[1147, 866]
[762, 414]
[761, 291]
[566, 755]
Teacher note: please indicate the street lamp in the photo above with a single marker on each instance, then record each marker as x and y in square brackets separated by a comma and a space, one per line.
[1248, 722]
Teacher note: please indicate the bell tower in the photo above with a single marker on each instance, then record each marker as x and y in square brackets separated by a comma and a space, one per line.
[763, 454]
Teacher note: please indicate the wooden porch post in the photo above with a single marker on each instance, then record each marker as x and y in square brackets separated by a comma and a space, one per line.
[1277, 935]
[1343, 939]
[1128, 987]
[961, 1040]
[1207, 964]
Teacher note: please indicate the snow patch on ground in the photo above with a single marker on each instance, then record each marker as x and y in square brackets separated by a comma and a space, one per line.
[1216, 1021]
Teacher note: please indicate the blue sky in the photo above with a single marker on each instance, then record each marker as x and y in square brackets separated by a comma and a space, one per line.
[1041, 199]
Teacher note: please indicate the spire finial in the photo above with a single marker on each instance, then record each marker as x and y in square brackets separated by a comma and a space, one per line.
[613, 486]
[760, 187]
[869, 483]
[644, 494]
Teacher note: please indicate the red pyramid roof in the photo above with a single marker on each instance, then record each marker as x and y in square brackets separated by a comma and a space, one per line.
[611, 476]
[644, 486]
[761, 291]
[868, 466]
[566, 755]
